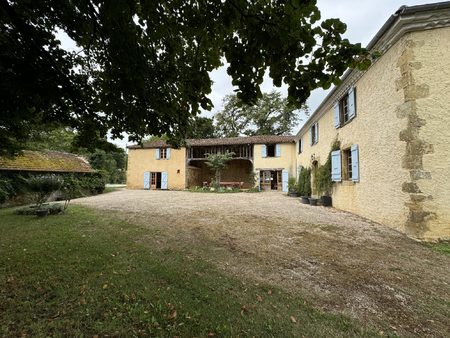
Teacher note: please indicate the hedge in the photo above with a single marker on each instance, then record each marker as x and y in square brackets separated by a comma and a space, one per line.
[15, 185]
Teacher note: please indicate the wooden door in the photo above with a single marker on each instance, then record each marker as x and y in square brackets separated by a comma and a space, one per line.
[153, 181]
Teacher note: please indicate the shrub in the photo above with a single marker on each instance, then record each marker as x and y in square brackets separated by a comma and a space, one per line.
[43, 186]
[292, 184]
[304, 182]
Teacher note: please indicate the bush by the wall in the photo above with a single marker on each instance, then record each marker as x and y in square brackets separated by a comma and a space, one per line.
[304, 182]
[15, 188]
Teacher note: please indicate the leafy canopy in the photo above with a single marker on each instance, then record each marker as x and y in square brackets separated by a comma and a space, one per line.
[218, 162]
[143, 66]
[270, 115]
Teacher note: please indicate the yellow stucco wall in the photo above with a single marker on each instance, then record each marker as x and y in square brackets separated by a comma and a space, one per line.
[375, 129]
[285, 161]
[402, 121]
[142, 160]
[431, 54]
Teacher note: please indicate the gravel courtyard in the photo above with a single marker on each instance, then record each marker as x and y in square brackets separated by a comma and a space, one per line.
[335, 260]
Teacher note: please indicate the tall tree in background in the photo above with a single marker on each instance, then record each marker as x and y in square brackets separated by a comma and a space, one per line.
[231, 121]
[202, 127]
[142, 66]
[271, 115]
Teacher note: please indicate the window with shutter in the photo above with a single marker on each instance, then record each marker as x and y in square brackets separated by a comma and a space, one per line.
[337, 115]
[351, 103]
[263, 150]
[314, 133]
[270, 150]
[277, 150]
[336, 172]
[354, 163]
[345, 110]
[157, 154]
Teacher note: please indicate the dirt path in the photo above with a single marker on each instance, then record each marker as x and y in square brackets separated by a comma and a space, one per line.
[338, 261]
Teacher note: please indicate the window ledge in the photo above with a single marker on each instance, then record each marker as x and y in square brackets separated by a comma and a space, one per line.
[347, 183]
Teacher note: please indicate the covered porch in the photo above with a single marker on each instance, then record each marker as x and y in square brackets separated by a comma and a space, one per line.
[238, 173]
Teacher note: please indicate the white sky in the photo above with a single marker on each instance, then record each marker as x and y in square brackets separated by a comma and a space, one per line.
[363, 18]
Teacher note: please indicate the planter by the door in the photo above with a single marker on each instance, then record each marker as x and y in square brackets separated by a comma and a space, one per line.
[305, 199]
[313, 201]
[326, 201]
[293, 194]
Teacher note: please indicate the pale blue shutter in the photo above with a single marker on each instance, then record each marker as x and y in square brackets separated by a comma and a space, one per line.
[355, 163]
[277, 150]
[336, 166]
[263, 150]
[284, 180]
[164, 180]
[351, 103]
[337, 115]
[311, 135]
[259, 179]
[168, 153]
[146, 180]
[157, 154]
[317, 132]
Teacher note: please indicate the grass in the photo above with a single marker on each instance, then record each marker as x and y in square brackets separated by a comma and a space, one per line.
[85, 273]
[442, 247]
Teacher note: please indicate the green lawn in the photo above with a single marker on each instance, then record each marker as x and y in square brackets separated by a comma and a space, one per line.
[85, 273]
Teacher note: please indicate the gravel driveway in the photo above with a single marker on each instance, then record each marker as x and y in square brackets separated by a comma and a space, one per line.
[336, 260]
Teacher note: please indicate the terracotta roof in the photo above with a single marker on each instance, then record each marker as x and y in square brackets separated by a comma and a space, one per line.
[224, 141]
[46, 161]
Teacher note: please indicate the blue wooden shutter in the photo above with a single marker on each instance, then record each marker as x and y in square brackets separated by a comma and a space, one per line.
[311, 135]
[336, 170]
[317, 132]
[259, 179]
[277, 150]
[351, 103]
[146, 180]
[168, 153]
[355, 163]
[263, 150]
[284, 180]
[337, 115]
[157, 154]
[164, 180]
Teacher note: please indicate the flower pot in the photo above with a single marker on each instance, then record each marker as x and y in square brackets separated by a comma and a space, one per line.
[326, 201]
[293, 194]
[305, 199]
[313, 201]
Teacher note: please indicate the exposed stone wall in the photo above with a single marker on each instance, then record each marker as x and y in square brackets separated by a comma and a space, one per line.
[424, 80]
[142, 160]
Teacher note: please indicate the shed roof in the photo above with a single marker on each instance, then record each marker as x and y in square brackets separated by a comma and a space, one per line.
[223, 141]
[46, 161]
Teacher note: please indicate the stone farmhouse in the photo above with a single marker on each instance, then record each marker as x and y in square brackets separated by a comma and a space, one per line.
[392, 123]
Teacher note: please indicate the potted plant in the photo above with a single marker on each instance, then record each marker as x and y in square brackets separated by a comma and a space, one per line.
[292, 187]
[304, 185]
[313, 199]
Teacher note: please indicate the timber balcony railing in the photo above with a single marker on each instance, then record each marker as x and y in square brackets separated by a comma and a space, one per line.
[244, 151]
